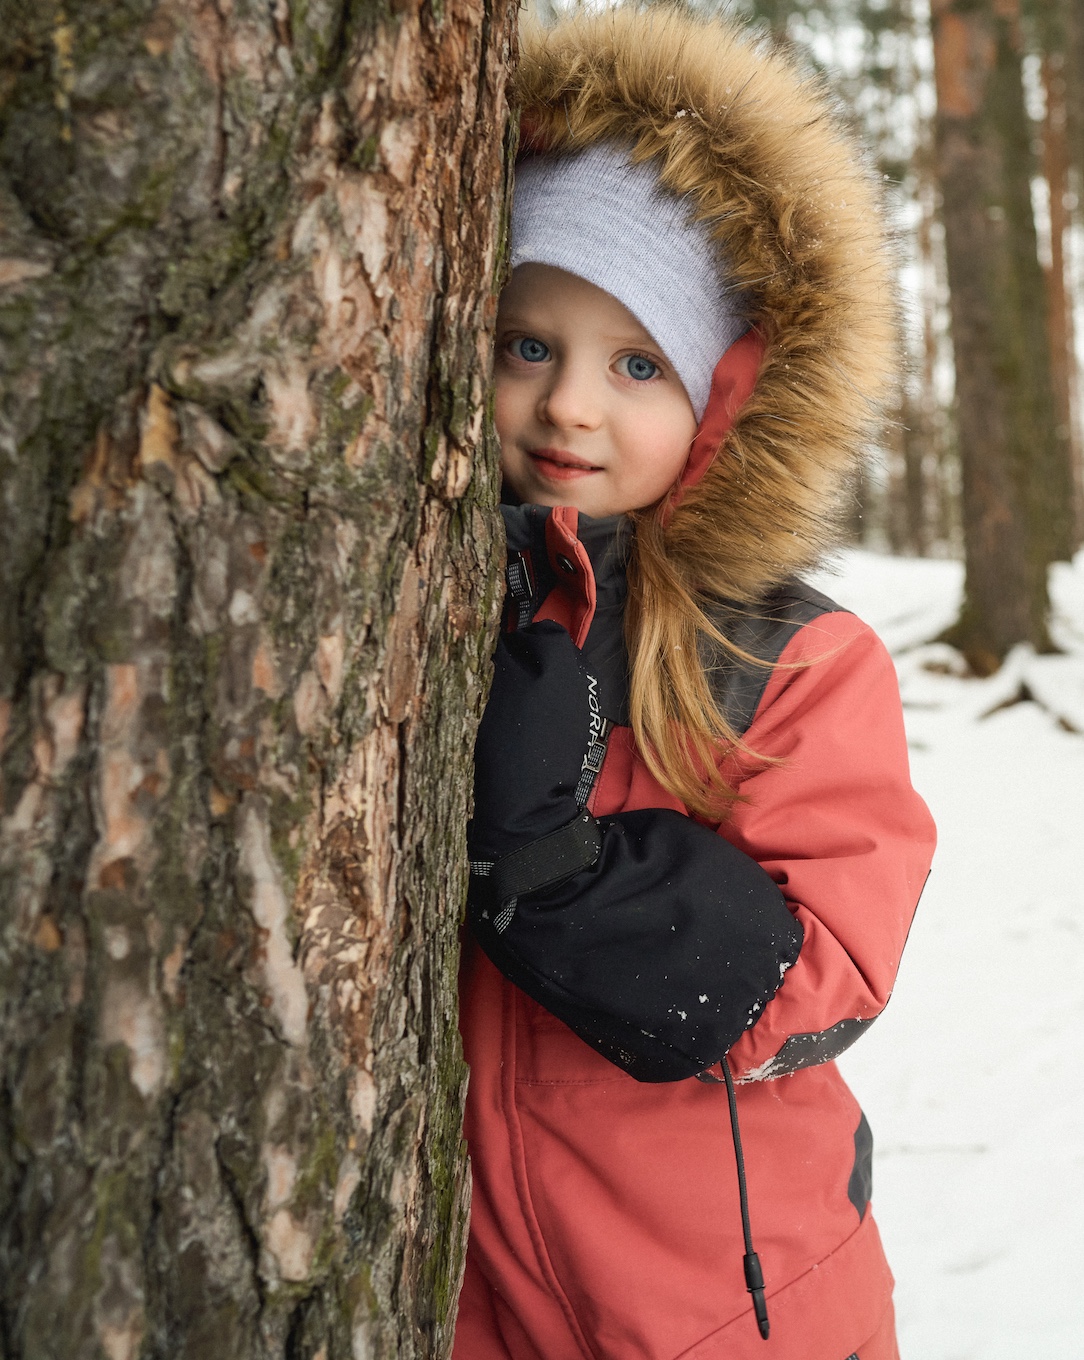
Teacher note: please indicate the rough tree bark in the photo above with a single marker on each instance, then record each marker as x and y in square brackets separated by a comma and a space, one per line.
[247, 273]
[1017, 490]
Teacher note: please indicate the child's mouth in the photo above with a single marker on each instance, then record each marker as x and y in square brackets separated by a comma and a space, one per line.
[560, 466]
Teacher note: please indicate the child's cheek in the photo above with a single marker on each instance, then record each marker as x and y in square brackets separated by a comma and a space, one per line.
[501, 405]
[506, 447]
[507, 420]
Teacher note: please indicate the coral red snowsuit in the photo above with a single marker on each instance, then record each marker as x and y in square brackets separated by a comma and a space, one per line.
[605, 1219]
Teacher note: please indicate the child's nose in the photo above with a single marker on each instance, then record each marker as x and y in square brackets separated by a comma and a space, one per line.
[571, 401]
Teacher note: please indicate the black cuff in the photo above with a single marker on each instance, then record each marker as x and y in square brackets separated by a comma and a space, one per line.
[544, 862]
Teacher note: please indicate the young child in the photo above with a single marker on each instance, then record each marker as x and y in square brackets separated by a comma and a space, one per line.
[696, 851]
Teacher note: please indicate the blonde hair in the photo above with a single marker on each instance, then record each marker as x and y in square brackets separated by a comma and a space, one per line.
[680, 728]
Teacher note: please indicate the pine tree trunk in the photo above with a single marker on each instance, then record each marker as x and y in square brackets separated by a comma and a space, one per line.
[934, 419]
[931, 418]
[1015, 462]
[1058, 283]
[247, 270]
[1070, 32]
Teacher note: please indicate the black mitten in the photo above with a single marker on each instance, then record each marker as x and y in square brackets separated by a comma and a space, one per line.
[659, 954]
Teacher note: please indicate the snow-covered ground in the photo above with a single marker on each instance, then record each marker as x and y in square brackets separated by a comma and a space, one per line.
[973, 1079]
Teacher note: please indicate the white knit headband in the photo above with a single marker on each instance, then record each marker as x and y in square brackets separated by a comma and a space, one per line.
[594, 214]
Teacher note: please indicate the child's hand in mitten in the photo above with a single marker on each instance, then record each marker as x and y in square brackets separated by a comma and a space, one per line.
[531, 742]
[653, 938]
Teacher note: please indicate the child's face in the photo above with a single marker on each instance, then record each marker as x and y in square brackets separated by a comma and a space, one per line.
[588, 410]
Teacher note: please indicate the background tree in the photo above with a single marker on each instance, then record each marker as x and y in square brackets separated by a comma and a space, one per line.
[1017, 484]
[1056, 28]
[247, 273]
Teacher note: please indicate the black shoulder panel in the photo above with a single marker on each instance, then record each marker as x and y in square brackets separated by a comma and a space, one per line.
[764, 631]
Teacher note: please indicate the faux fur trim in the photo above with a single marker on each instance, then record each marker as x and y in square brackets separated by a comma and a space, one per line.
[797, 215]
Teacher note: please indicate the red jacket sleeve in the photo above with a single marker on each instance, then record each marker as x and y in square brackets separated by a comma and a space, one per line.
[833, 818]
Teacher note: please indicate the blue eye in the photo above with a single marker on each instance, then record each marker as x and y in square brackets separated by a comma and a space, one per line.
[637, 366]
[529, 349]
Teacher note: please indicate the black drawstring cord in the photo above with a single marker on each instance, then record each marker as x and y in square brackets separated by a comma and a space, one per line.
[754, 1276]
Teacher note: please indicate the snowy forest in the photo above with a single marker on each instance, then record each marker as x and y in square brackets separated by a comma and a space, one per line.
[975, 115]
[250, 252]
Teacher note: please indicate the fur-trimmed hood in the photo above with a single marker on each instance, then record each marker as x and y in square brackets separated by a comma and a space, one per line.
[796, 212]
